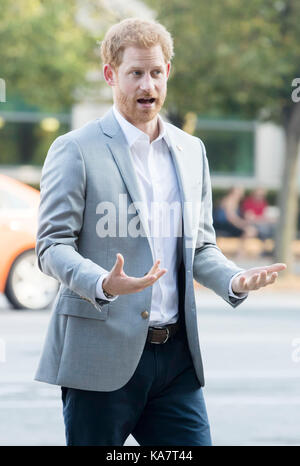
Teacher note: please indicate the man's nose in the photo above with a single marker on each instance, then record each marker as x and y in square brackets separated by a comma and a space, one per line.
[147, 83]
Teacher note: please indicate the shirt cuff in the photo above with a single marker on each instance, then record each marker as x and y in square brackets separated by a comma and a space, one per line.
[99, 289]
[231, 293]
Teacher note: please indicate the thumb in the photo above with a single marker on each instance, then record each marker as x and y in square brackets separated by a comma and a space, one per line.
[118, 267]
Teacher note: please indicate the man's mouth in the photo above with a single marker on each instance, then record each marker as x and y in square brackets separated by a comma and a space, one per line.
[146, 102]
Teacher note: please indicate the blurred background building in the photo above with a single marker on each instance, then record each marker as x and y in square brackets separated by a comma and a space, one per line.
[230, 85]
[244, 152]
[240, 151]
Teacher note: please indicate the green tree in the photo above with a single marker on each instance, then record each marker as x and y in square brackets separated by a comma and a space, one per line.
[47, 49]
[237, 57]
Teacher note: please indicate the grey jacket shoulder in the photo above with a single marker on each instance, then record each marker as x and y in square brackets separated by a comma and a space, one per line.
[84, 136]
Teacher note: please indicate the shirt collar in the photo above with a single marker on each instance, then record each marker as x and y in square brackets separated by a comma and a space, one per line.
[132, 133]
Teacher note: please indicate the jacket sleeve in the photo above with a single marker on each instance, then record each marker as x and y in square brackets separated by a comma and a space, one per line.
[211, 268]
[62, 203]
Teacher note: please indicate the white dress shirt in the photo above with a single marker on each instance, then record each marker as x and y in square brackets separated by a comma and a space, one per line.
[159, 188]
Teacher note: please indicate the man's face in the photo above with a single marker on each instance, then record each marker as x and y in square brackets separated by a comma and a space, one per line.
[140, 83]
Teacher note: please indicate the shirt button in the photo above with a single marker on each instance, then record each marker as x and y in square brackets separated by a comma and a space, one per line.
[145, 314]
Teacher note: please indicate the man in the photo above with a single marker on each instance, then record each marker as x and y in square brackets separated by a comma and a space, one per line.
[123, 340]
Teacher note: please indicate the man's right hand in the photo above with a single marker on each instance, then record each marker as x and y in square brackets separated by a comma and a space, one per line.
[117, 282]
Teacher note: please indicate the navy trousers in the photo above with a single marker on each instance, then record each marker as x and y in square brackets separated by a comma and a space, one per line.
[162, 404]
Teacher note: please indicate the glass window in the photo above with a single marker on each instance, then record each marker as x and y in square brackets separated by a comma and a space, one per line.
[26, 142]
[229, 152]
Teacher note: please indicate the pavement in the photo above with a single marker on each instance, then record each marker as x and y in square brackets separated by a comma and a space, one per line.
[251, 357]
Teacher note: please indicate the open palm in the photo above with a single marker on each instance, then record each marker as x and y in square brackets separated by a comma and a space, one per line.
[256, 277]
[117, 282]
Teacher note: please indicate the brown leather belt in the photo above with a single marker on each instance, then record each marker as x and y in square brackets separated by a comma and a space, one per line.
[159, 335]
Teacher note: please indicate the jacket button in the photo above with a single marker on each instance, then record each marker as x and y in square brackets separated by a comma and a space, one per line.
[145, 314]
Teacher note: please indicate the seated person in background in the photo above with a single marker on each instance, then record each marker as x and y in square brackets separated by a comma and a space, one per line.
[227, 218]
[254, 209]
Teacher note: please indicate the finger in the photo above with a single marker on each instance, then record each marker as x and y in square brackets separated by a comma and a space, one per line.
[153, 270]
[138, 284]
[262, 280]
[257, 282]
[251, 283]
[154, 267]
[242, 282]
[159, 274]
[149, 279]
[118, 267]
[273, 278]
[278, 267]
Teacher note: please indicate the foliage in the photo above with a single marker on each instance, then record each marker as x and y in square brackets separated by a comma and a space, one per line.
[234, 56]
[45, 51]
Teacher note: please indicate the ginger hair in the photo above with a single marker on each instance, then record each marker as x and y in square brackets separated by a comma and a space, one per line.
[138, 33]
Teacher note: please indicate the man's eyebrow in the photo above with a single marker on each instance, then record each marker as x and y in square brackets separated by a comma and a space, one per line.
[139, 67]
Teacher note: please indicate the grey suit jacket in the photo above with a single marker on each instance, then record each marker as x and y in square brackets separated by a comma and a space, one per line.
[95, 344]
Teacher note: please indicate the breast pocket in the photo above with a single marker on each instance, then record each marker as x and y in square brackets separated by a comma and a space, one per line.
[77, 307]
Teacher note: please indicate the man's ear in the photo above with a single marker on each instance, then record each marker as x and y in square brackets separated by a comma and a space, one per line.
[168, 69]
[109, 74]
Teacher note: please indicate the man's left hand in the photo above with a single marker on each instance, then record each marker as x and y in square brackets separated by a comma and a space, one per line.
[257, 277]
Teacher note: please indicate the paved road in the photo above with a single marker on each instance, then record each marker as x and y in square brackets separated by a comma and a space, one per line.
[252, 373]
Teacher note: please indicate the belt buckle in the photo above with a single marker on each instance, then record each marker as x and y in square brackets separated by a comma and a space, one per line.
[168, 334]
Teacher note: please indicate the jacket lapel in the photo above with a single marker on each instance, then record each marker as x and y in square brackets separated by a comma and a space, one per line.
[119, 148]
[187, 170]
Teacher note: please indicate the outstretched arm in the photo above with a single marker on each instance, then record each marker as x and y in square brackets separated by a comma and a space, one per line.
[62, 203]
[211, 268]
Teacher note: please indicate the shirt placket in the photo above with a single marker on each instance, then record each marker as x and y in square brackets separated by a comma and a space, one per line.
[157, 198]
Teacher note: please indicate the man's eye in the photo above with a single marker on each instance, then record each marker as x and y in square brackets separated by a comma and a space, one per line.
[136, 73]
[157, 71]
